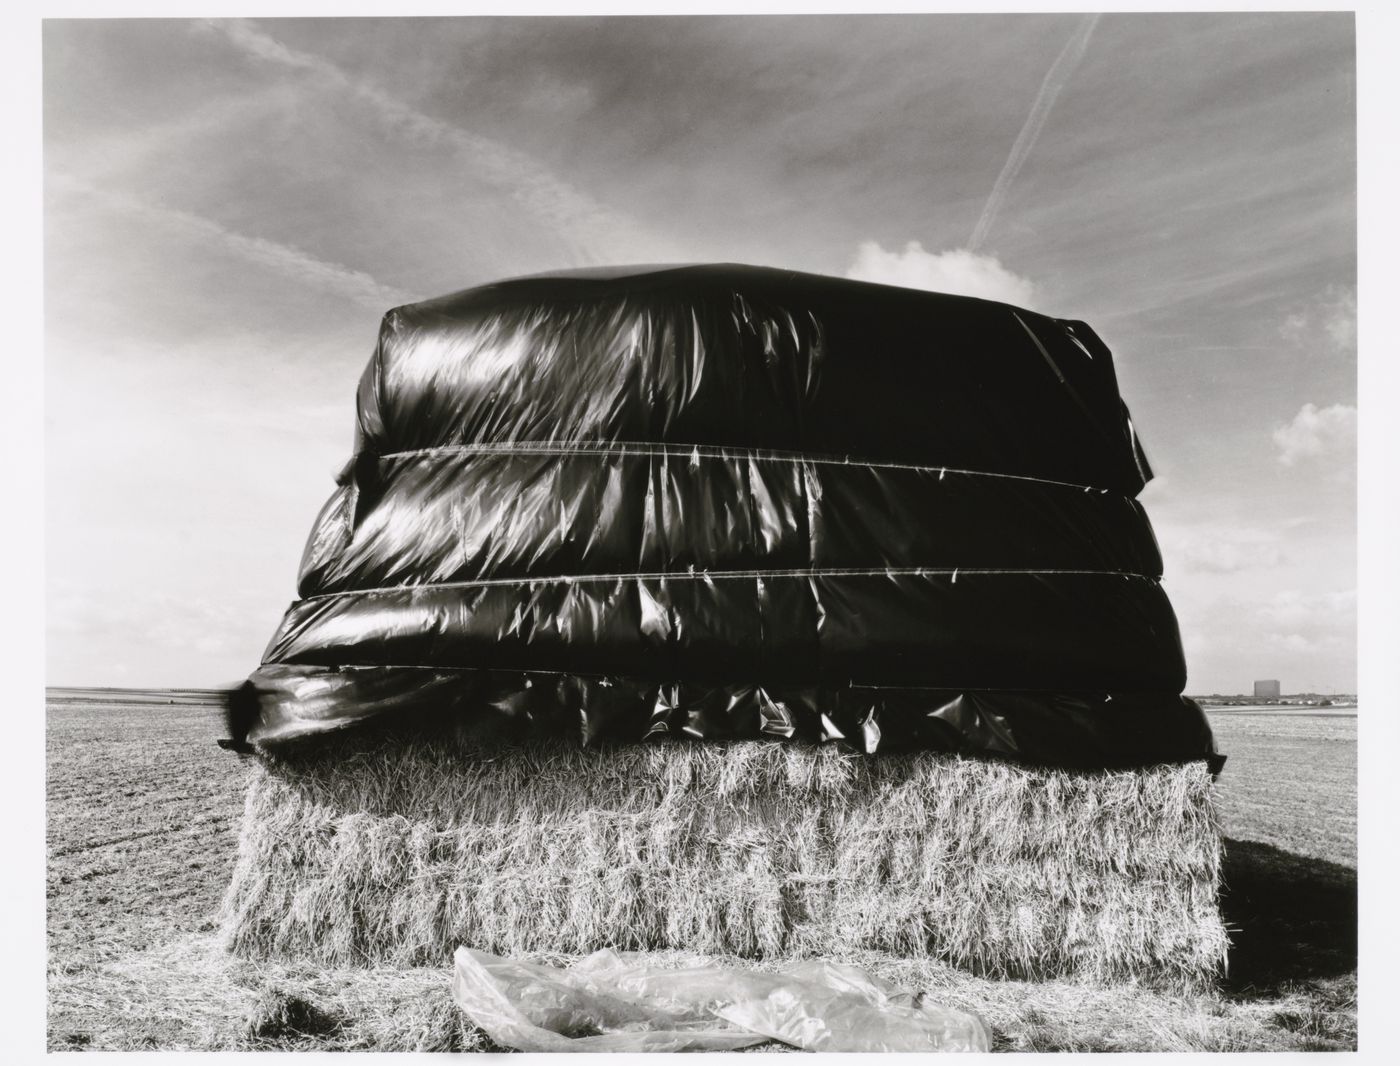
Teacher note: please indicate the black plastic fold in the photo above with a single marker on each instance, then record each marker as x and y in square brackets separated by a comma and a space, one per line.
[1093, 730]
[727, 501]
[469, 513]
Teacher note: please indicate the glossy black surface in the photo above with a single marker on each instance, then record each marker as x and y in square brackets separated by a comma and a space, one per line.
[728, 501]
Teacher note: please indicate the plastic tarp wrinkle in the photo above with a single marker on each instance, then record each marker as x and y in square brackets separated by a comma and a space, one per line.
[728, 502]
[622, 1002]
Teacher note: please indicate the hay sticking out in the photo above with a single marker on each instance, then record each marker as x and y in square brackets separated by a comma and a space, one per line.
[395, 852]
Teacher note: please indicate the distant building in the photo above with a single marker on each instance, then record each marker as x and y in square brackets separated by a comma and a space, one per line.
[1266, 690]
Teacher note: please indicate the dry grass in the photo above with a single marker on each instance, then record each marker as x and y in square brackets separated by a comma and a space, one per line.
[142, 810]
[133, 879]
[190, 995]
[1316, 751]
[394, 853]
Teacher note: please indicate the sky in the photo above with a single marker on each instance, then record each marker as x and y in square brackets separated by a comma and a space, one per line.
[230, 207]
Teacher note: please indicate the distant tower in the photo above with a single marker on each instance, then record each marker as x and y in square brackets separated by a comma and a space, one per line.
[1266, 690]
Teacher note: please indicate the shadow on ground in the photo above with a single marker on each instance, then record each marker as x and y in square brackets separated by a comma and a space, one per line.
[1292, 919]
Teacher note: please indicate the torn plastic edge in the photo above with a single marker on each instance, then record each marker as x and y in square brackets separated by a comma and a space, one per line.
[661, 730]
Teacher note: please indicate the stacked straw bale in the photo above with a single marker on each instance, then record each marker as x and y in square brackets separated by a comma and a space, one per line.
[394, 852]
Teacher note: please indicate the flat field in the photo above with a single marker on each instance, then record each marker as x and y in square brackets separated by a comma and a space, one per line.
[143, 812]
[1290, 780]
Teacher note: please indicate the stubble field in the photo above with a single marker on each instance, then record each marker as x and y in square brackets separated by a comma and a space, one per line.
[143, 812]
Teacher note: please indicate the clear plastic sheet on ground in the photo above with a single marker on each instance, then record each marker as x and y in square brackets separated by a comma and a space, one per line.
[624, 1002]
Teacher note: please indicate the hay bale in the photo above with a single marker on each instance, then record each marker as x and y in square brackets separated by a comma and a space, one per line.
[394, 852]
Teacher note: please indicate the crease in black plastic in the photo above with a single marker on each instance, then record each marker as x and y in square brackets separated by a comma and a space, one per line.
[726, 502]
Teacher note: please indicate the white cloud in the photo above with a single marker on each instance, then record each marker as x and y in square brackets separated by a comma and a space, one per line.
[1327, 325]
[1292, 610]
[958, 271]
[1225, 550]
[1310, 622]
[1307, 639]
[1340, 323]
[1317, 432]
[200, 637]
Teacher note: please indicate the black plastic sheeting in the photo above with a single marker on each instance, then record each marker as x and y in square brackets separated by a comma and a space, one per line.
[726, 502]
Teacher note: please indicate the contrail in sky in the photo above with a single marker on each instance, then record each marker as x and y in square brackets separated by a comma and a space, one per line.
[584, 224]
[1059, 73]
[284, 259]
[107, 153]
